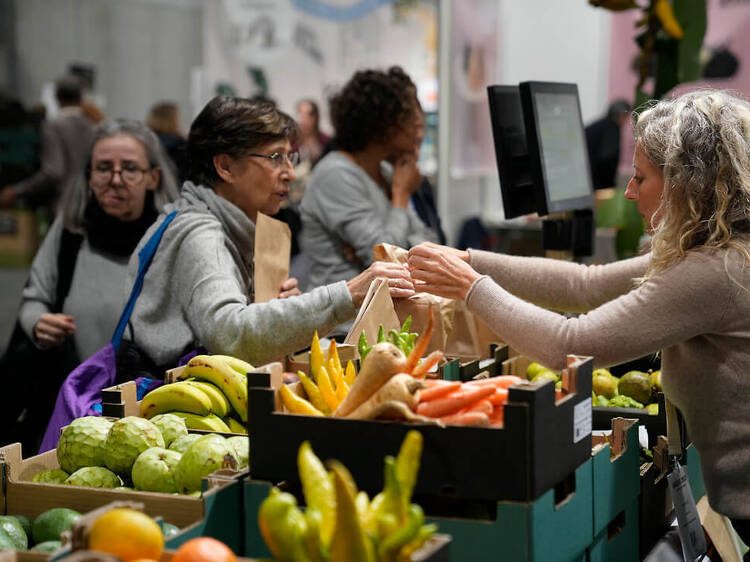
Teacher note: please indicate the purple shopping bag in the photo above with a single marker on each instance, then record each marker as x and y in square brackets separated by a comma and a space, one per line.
[82, 388]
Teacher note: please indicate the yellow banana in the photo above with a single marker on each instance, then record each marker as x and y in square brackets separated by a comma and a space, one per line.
[180, 396]
[235, 426]
[215, 370]
[296, 404]
[242, 367]
[219, 402]
[672, 27]
[205, 423]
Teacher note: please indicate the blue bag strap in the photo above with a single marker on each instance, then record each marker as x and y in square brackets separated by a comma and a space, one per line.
[145, 256]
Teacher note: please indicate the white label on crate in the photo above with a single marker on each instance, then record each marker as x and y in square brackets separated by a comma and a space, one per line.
[582, 415]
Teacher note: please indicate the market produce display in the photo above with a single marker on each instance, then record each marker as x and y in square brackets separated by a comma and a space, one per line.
[40, 535]
[634, 389]
[210, 394]
[157, 455]
[341, 524]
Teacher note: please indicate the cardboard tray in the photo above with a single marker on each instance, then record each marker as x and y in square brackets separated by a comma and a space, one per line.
[18, 495]
[655, 424]
[542, 442]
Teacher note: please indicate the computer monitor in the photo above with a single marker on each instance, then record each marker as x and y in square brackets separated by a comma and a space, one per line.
[509, 133]
[557, 146]
[540, 148]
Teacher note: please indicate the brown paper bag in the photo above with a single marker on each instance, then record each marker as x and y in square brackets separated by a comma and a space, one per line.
[273, 247]
[376, 309]
[418, 307]
[389, 253]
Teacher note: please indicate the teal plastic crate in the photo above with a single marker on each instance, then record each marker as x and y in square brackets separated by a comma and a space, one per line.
[618, 541]
[536, 531]
[616, 481]
[254, 493]
[224, 516]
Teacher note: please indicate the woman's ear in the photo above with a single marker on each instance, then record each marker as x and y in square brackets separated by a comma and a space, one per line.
[155, 175]
[224, 165]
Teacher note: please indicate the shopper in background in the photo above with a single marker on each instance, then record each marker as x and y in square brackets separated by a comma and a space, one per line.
[311, 140]
[76, 288]
[603, 144]
[359, 195]
[199, 289]
[164, 120]
[689, 298]
[65, 142]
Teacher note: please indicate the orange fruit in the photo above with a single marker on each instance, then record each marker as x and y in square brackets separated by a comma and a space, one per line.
[204, 549]
[127, 533]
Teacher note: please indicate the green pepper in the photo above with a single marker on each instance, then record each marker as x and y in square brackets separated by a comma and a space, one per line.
[411, 341]
[381, 334]
[283, 526]
[394, 335]
[362, 346]
[393, 543]
[406, 325]
[392, 510]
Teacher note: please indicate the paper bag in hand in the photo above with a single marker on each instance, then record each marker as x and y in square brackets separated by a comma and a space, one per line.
[376, 309]
[273, 247]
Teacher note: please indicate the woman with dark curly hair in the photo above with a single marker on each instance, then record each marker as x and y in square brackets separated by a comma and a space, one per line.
[358, 195]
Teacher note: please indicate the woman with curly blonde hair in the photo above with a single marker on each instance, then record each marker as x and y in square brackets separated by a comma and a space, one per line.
[689, 297]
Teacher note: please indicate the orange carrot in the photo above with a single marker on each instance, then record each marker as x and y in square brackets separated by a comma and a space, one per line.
[484, 406]
[497, 416]
[454, 402]
[467, 418]
[503, 381]
[438, 391]
[429, 383]
[430, 361]
[500, 397]
[420, 346]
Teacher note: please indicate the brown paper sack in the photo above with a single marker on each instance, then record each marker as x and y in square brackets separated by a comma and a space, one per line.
[376, 309]
[457, 331]
[273, 248]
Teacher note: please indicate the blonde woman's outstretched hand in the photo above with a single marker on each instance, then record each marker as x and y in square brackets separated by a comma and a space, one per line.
[441, 270]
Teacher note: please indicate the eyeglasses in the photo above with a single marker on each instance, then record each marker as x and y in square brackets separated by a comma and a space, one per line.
[278, 158]
[102, 175]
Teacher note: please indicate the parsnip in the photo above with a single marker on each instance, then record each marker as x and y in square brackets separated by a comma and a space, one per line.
[400, 388]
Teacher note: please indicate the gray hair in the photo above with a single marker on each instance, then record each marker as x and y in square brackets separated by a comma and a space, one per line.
[701, 143]
[77, 193]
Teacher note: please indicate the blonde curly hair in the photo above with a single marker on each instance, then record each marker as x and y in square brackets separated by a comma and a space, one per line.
[701, 143]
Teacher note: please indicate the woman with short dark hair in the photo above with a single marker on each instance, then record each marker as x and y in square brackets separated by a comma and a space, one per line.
[199, 288]
[359, 195]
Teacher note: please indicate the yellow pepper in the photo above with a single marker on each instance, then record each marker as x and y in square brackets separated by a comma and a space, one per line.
[351, 373]
[318, 489]
[326, 389]
[316, 357]
[313, 393]
[296, 404]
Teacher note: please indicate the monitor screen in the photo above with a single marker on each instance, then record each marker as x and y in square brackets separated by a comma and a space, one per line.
[557, 146]
[509, 134]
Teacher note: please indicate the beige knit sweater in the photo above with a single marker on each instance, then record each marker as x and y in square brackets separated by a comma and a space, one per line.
[697, 313]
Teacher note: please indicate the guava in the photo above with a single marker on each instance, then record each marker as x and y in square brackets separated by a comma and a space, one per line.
[50, 525]
[154, 470]
[637, 385]
[181, 444]
[13, 528]
[171, 427]
[656, 381]
[169, 530]
[51, 476]
[94, 477]
[208, 454]
[25, 523]
[47, 546]
[128, 438]
[544, 374]
[533, 369]
[82, 443]
[241, 446]
[602, 371]
[604, 385]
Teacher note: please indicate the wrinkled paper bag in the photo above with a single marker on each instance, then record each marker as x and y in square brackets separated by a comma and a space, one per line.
[273, 249]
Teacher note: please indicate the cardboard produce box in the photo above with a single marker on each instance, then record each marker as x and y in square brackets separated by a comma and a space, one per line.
[19, 495]
[542, 443]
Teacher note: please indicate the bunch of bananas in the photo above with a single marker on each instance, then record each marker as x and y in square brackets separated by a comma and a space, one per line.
[211, 394]
[341, 524]
[327, 385]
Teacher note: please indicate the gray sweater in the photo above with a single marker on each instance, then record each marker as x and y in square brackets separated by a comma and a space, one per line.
[198, 290]
[343, 205]
[697, 313]
[95, 299]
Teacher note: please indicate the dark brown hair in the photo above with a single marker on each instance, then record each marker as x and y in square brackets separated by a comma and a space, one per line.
[233, 126]
[370, 105]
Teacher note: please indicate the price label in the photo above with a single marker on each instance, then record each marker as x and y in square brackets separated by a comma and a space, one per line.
[582, 420]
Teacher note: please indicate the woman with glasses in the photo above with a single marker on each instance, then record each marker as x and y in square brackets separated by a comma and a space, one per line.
[199, 289]
[359, 195]
[76, 288]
